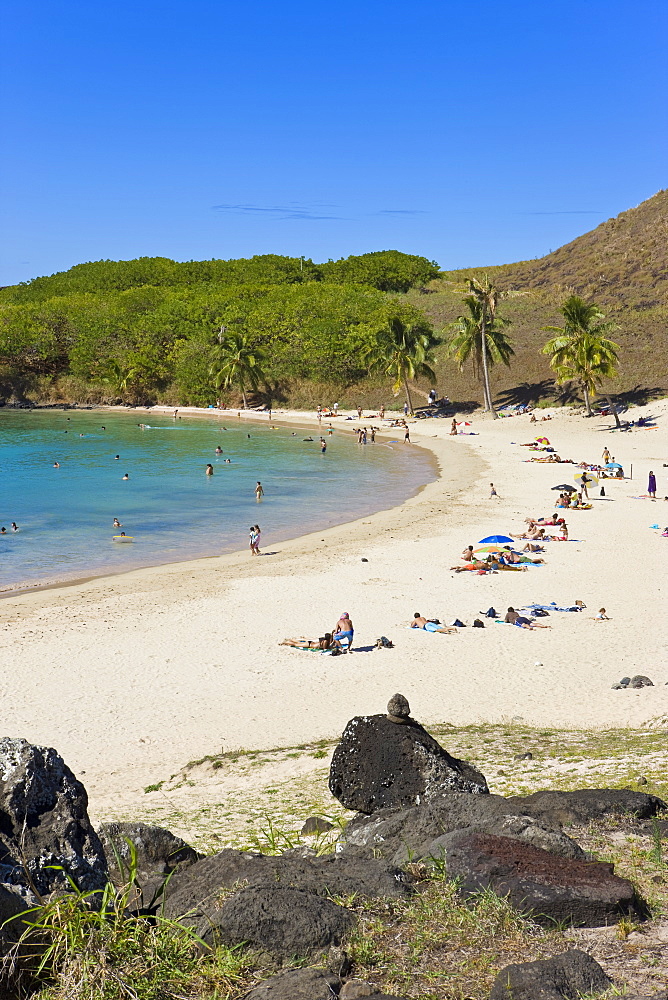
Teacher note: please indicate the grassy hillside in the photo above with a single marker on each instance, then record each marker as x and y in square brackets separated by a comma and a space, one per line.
[622, 265]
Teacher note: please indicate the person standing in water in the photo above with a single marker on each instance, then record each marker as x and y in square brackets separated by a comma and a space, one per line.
[209, 469]
[259, 491]
[15, 526]
[323, 445]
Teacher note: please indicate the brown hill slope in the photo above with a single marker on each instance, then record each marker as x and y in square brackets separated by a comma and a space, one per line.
[622, 265]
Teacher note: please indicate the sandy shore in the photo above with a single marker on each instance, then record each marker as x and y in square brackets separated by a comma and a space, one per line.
[131, 676]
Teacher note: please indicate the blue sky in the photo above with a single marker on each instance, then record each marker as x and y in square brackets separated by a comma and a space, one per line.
[472, 133]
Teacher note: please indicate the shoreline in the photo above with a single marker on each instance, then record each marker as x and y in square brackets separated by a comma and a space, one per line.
[288, 418]
[131, 676]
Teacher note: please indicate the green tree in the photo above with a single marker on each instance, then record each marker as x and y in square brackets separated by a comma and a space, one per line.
[487, 295]
[581, 351]
[401, 345]
[238, 362]
[467, 341]
[387, 270]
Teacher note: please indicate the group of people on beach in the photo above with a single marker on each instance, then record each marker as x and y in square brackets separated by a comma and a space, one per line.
[339, 640]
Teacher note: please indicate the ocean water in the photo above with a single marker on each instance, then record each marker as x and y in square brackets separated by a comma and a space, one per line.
[170, 507]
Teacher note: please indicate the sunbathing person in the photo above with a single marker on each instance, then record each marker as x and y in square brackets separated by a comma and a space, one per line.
[419, 621]
[325, 642]
[515, 618]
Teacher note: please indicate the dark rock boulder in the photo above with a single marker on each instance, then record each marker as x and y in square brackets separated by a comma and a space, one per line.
[564, 977]
[552, 889]
[646, 996]
[314, 825]
[423, 831]
[588, 804]
[15, 909]
[391, 761]
[298, 984]
[313, 984]
[286, 923]
[44, 822]
[203, 882]
[157, 853]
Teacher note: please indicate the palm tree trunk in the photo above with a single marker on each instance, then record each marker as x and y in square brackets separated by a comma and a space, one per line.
[613, 409]
[587, 401]
[408, 397]
[243, 396]
[485, 367]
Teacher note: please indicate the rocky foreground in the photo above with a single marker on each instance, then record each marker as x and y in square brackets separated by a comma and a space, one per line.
[426, 830]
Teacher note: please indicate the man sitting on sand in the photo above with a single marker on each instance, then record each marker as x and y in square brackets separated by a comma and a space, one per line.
[343, 630]
[419, 621]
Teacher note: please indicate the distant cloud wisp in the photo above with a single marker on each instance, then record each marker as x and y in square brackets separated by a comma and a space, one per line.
[401, 211]
[570, 212]
[302, 213]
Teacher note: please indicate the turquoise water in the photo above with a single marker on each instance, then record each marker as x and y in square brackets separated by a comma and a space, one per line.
[173, 510]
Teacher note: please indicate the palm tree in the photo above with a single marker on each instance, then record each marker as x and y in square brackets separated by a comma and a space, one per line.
[467, 341]
[121, 378]
[237, 362]
[484, 292]
[402, 347]
[581, 351]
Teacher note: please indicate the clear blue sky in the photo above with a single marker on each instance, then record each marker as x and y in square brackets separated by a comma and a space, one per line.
[472, 133]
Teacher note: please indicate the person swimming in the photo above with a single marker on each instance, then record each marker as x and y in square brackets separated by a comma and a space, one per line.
[219, 450]
[117, 523]
[126, 476]
[15, 526]
[116, 458]
[56, 465]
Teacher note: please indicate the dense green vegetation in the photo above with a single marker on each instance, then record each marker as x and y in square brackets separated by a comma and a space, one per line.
[154, 329]
[157, 330]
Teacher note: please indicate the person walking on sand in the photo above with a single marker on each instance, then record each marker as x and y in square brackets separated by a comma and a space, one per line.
[406, 408]
[359, 412]
[407, 436]
[651, 486]
[251, 539]
[259, 491]
[492, 492]
[258, 533]
[453, 427]
[382, 412]
[606, 455]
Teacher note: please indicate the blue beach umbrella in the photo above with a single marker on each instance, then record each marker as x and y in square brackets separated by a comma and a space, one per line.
[613, 465]
[495, 539]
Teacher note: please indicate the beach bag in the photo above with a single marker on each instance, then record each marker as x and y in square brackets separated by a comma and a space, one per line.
[457, 623]
[478, 624]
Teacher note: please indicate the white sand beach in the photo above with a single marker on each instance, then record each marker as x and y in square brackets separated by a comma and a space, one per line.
[131, 676]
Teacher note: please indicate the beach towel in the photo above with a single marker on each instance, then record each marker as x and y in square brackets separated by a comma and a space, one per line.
[552, 607]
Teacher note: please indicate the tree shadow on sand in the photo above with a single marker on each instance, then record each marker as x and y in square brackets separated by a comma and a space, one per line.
[527, 393]
[641, 395]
